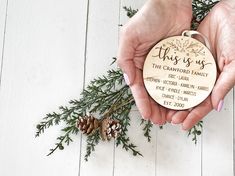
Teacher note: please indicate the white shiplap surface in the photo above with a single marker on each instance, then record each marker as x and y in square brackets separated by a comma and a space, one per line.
[3, 9]
[102, 37]
[52, 49]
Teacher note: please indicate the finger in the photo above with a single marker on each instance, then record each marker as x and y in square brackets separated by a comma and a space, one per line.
[156, 113]
[197, 114]
[163, 115]
[126, 52]
[169, 115]
[223, 85]
[179, 117]
[141, 96]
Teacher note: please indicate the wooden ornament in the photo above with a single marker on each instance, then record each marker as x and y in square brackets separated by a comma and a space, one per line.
[179, 72]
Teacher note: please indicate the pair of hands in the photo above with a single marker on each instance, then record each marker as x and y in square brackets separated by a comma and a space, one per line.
[159, 19]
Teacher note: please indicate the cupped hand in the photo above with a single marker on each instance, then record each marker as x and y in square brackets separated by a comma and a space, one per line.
[219, 28]
[156, 20]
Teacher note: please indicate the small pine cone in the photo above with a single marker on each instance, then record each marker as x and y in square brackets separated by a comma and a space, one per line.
[110, 128]
[87, 124]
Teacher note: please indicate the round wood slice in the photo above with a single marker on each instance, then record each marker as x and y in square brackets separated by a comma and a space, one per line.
[179, 72]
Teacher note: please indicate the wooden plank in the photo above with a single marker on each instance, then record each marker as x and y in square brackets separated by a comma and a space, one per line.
[43, 69]
[102, 43]
[217, 148]
[125, 162]
[3, 9]
[177, 154]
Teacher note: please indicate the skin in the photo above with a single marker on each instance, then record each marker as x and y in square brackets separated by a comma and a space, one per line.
[138, 36]
[159, 19]
[219, 28]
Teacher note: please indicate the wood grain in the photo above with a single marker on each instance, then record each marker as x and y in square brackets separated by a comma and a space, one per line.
[43, 69]
[102, 43]
[217, 141]
[3, 18]
[125, 162]
[176, 153]
[179, 72]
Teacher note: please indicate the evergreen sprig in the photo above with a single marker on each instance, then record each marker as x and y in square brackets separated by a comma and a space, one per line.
[92, 141]
[107, 96]
[129, 11]
[196, 131]
[147, 128]
[67, 115]
[200, 9]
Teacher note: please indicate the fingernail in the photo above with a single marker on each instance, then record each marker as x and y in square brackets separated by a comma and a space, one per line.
[174, 124]
[183, 127]
[220, 105]
[126, 79]
[144, 117]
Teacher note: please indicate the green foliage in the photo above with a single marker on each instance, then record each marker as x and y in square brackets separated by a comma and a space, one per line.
[129, 11]
[196, 131]
[127, 145]
[200, 9]
[106, 96]
[147, 128]
[92, 141]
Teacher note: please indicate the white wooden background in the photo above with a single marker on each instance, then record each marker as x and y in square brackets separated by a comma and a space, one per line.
[49, 50]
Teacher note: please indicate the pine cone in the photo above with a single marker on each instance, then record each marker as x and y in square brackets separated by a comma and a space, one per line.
[88, 124]
[110, 128]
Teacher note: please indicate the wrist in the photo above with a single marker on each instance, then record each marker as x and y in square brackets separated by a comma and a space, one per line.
[174, 1]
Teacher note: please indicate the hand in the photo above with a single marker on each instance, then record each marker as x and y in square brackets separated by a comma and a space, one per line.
[219, 28]
[156, 20]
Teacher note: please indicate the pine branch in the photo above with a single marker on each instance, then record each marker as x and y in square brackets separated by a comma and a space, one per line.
[129, 11]
[147, 128]
[196, 131]
[200, 9]
[69, 115]
[62, 139]
[125, 141]
[92, 141]
[107, 96]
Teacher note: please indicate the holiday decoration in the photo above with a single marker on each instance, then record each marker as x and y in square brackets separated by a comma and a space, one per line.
[179, 72]
[109, 128]
[110, 99]
[88, 124]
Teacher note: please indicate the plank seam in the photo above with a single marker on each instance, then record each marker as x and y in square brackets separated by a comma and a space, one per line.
[233, 137]
[114, 148]
[114, 157]
[202, 153]
[84, 75]
[3, 44]
[155, 164]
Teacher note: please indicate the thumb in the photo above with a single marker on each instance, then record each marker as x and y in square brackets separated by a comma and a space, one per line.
[128, 68]
[224, 84]
[126, 53]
